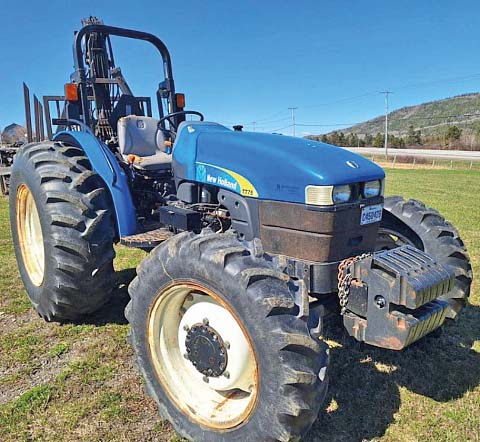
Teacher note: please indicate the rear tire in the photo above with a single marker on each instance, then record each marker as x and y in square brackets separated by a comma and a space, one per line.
[411, 222]
[290, 384]
[62, 230]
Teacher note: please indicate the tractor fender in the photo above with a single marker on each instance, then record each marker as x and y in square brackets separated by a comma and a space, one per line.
[106, 165]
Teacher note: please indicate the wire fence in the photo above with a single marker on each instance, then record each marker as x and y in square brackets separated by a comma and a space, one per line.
[408, 162]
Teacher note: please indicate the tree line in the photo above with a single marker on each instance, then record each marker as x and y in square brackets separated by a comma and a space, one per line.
[413, 138]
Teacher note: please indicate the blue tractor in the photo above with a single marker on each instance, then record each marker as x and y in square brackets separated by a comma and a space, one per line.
[253, 237]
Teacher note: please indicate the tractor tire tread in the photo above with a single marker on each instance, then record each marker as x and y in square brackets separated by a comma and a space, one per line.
[442, 241]
[302, 357]
[78, 208]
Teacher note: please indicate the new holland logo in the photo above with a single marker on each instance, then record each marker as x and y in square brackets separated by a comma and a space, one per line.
[353, 164]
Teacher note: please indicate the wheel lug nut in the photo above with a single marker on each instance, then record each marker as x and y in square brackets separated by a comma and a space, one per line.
[380, 301]
[186, 328]
[185, 355]
[206, 321]
[227, 345]
[205, 379]
[227, 375]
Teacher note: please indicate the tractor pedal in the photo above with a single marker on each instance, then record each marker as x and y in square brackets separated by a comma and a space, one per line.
[147, 240]
[393, 297]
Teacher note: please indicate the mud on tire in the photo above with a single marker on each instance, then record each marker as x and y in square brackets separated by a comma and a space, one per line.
[410, 221]
[291, 364]
[74, 212]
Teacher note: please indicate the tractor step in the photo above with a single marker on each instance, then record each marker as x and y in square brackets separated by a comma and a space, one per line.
[393, 297]
[147, 240]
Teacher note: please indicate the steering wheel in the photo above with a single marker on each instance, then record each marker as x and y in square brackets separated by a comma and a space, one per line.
[169, 117]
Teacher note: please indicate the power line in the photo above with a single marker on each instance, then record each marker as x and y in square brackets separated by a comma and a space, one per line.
[341, 100]
[325, 125]
[255, 123]
[269, 118]
[440, 81]
[293, 109]
[438, 117]
[369, 94]
[263, 123]
[281, 128]
[387, 93]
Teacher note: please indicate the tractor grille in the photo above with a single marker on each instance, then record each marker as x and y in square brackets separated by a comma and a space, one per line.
[314, 234]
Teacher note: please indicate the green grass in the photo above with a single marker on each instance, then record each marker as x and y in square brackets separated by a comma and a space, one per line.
[17, 413]
[77, 382]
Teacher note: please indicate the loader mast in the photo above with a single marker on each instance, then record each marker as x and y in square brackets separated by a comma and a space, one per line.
[99, 59]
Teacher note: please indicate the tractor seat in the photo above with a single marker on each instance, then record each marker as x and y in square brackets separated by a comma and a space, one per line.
[140, 136]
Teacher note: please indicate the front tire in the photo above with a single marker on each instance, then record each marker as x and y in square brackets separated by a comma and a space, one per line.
[411, 222]
[196, 286]
[62, 230]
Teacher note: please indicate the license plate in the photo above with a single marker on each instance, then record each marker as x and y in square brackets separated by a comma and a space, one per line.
[371, 214]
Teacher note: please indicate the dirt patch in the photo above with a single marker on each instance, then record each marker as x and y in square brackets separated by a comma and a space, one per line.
[43, 370]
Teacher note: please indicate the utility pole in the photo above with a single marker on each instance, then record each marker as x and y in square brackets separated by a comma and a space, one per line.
[293, 109]
[386, 93]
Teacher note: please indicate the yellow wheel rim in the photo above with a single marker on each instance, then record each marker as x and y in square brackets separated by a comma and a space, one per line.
[30, 235]
[220, 403]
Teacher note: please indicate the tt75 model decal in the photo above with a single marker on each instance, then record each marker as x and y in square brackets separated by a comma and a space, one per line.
[218, 176]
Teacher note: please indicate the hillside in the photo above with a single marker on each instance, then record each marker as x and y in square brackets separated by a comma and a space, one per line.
[432, 118]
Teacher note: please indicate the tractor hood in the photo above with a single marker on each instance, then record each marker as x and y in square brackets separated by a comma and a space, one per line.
[265, 166]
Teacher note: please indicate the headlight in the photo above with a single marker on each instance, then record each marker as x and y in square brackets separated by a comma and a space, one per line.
[328, 195]
[372, 188]
[319, 195]
[342, 194]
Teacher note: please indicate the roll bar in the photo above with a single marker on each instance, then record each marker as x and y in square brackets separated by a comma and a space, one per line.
[168, 84]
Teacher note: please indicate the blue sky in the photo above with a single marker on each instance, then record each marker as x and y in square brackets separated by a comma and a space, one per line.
[246, 61]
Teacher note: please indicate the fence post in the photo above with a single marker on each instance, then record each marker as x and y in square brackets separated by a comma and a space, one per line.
[414, 161]
[433, 164]
[471, 165]
[394, 160]
[451, 164]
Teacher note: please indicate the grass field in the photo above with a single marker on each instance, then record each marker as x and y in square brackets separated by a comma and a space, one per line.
[76, 382]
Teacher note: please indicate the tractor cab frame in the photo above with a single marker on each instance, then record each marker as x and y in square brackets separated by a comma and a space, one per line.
[98, 95]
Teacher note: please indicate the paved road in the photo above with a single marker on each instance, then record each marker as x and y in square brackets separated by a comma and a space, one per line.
[465, 155]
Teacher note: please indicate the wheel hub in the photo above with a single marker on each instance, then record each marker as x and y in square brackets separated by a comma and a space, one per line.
[206, 350]
[188, 316]
[232, 370]
[30, 235]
